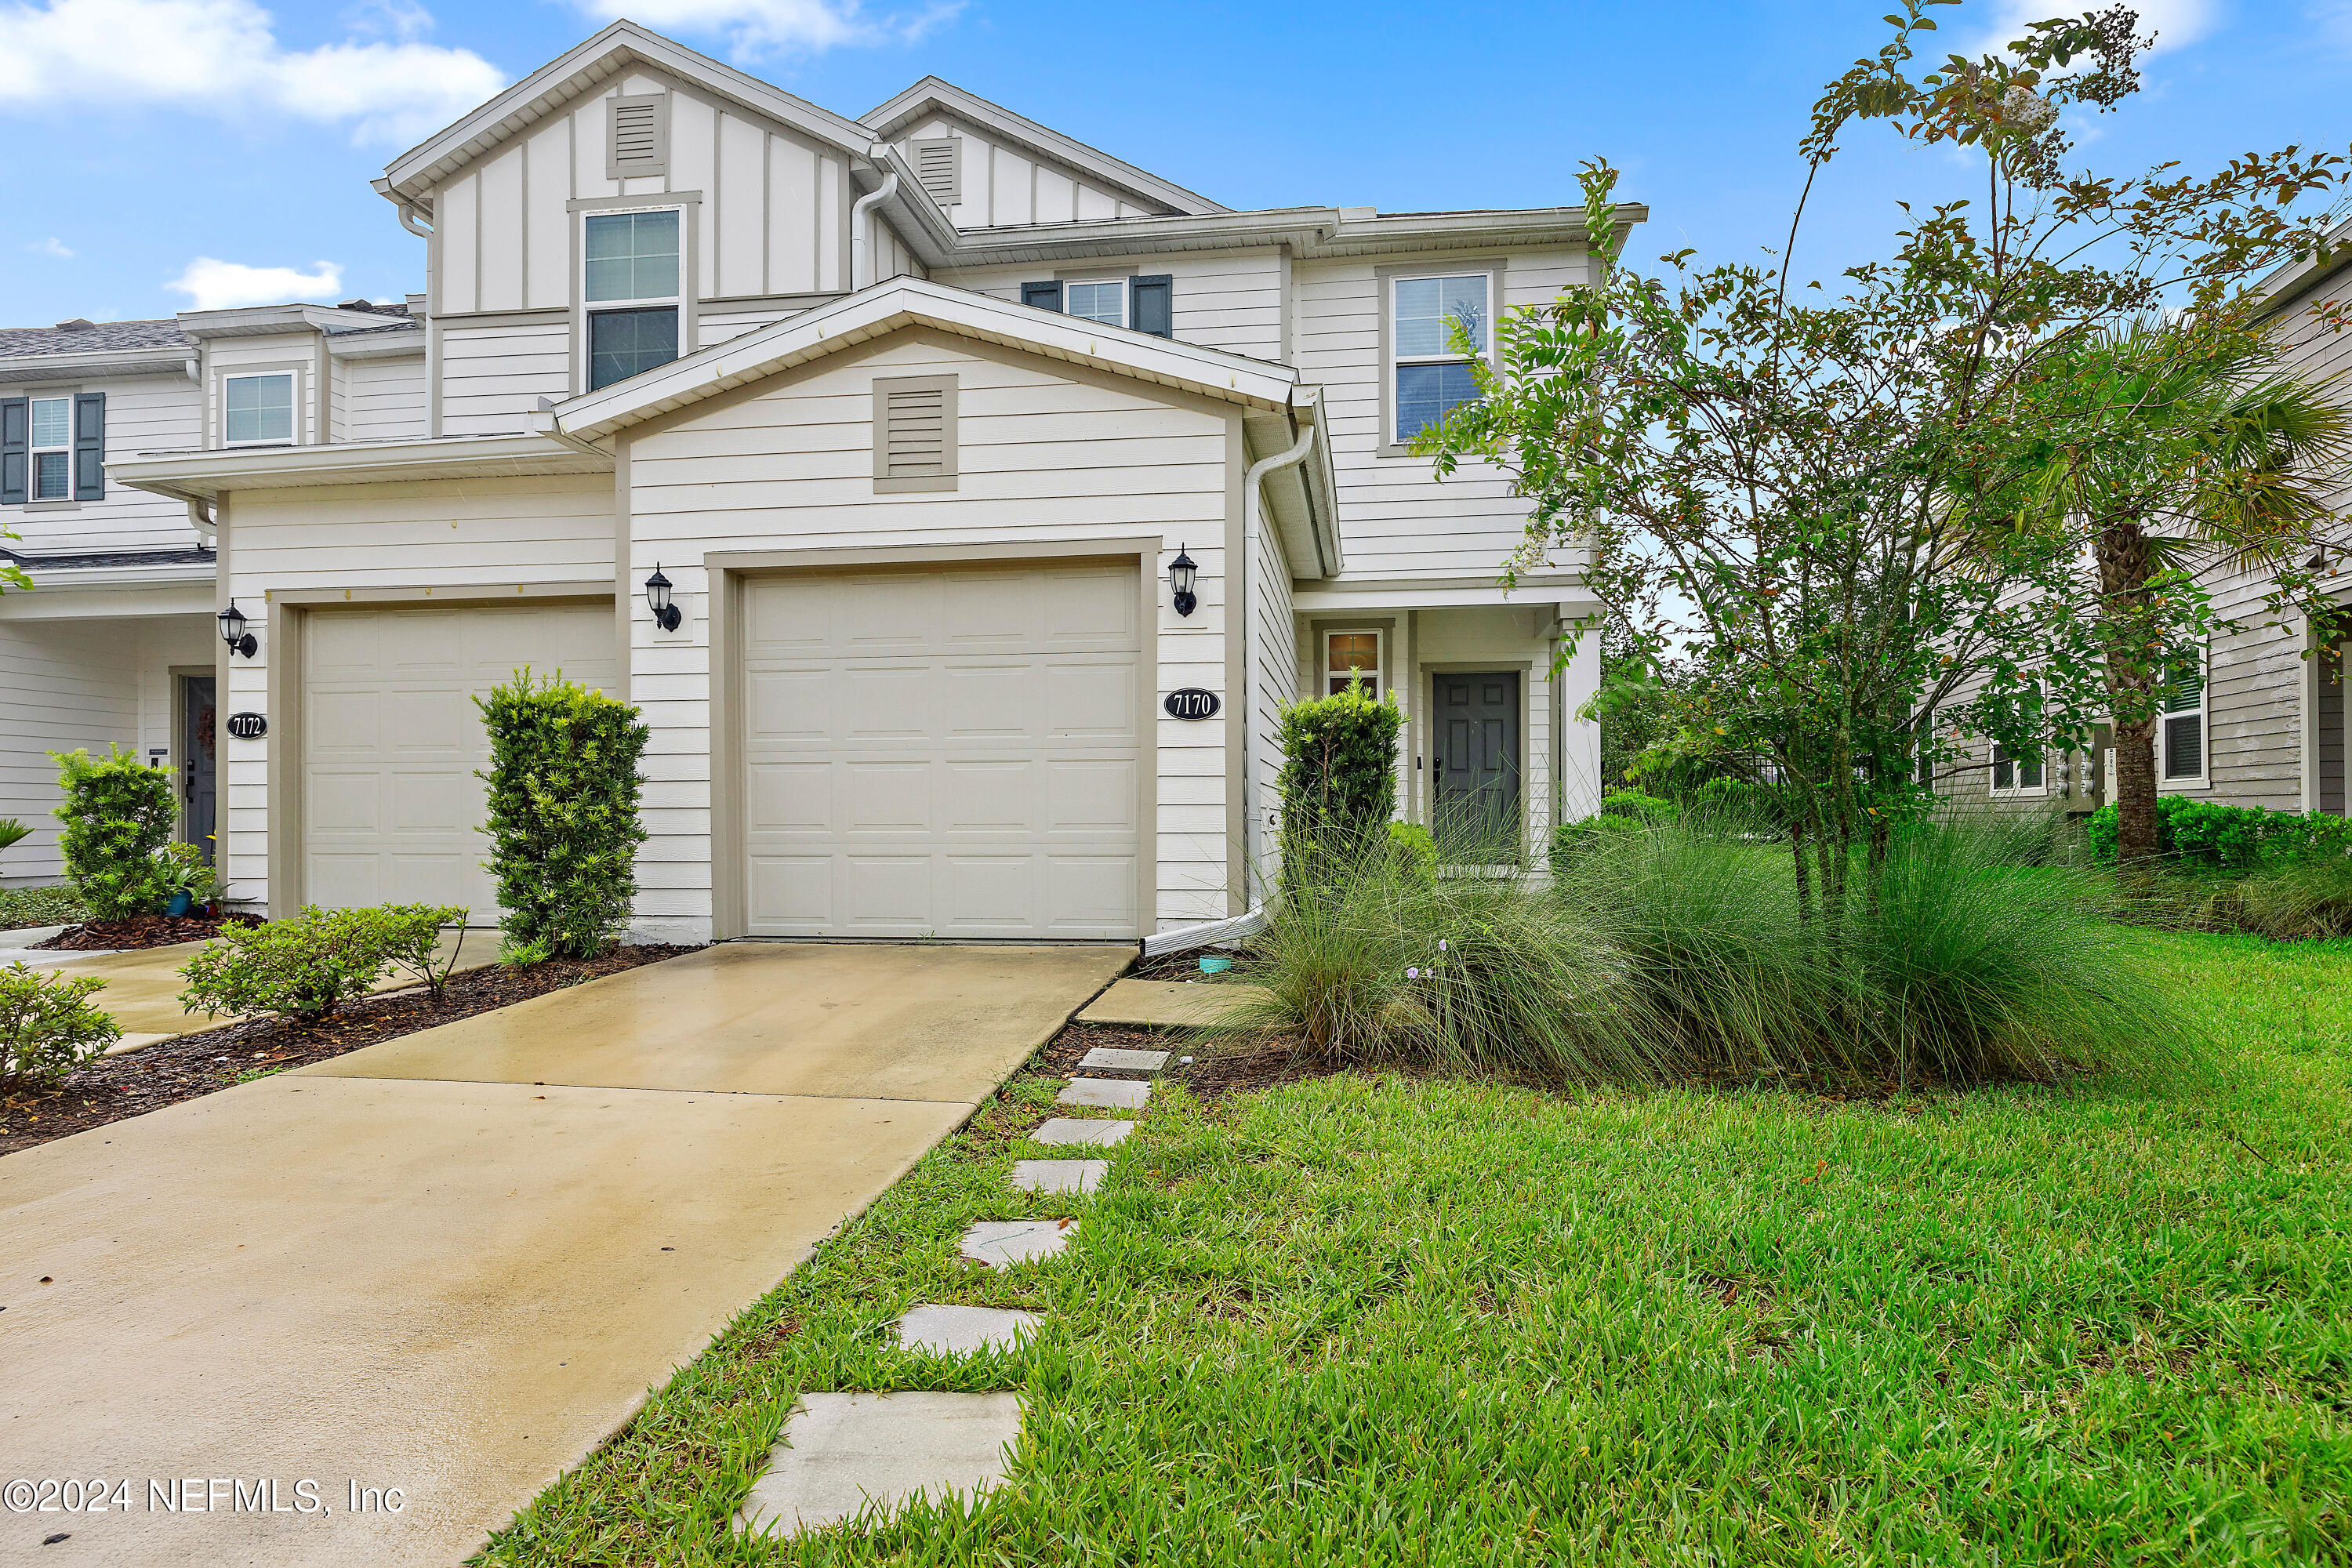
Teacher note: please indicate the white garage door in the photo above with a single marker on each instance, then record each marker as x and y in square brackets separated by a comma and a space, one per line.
[944, 752]
[390, 740]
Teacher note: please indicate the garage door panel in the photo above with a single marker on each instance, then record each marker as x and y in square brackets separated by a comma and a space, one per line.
[392, 740]
[792, 798]
[982, 729]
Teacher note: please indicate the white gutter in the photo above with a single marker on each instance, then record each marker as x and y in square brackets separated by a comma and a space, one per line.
[1253, 520]
[859, 245]
[1207, 934]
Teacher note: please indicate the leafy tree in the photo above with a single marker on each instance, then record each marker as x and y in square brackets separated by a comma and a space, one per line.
[1805, 497]
[2168, 448]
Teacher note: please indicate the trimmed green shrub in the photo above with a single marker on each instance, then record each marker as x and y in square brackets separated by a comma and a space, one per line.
[2227, 837]
[563, 793]
[47, 1026]
[1339, 780]
[118, 813]
[1640, 807]
[409, 936]
[1414, 851]
[301, 968]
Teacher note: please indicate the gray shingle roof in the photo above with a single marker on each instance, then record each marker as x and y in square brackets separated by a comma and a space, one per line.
[15, 342]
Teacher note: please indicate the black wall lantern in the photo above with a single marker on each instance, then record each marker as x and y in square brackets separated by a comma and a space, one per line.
[233, 632]
[666, 615]
[1180, 578]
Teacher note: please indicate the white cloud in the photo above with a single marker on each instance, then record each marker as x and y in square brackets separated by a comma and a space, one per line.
[214, 285]
[2175, 23]
[756, 28]
[222, 57]
[52, 246]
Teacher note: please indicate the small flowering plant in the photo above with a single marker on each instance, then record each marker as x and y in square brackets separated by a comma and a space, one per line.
[1428, 971]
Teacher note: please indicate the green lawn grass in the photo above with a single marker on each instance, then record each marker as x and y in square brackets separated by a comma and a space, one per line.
[1371, 1318]
[39, 907]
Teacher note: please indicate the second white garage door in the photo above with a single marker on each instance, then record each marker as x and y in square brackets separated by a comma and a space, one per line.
[951, 752]
[391, 742]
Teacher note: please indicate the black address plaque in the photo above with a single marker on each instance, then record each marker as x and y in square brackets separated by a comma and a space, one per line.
[1191, 702]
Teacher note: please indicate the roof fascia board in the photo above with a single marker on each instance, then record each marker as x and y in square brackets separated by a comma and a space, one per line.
[1314, 231]
[391, 345]
[579, 71]
[902, 302]
[205, 476]
[2289, 279]
[100, 362]
[932, 93]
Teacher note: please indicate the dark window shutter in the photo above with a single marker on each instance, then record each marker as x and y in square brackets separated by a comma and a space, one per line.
[16, 450]
[1044, 296]
[1152, 305]
[89, 446]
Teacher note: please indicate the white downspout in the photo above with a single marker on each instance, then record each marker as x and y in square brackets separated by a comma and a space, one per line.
[1253, 521]
[858, 243]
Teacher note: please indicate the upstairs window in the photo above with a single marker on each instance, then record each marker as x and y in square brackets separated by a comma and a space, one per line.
[257, 410]
[2180, 739]
[1102, 300]
[631, 291]
[2013, 772]
[52, 446]
[1147, 304]
[1431, 375]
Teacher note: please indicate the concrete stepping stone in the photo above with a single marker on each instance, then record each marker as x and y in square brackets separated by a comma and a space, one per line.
[1109, 1056]
[842, 1452]
[1058, 1175]
[1002, 1243]
[1070, 1130]
[1167, 1003]
[1115, 1093]
[964, 1331]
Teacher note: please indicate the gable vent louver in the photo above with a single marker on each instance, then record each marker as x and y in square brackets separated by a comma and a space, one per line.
[639, 137]
[915, 433]
[939, 168]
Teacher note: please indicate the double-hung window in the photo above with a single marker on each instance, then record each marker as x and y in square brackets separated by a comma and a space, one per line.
[2014, 773]
[257, 410]
[632, 292]
[1351, 659]
[52, 448]
[2180, 737]
[1102, 300]
[1432, 375]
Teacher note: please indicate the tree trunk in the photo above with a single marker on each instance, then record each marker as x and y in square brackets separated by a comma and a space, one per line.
[2126, 566]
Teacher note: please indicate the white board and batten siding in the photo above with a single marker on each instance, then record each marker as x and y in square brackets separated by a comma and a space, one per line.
[1397, 522]
[767, 218]
[1002, 185]
[451, 538]
[1229, 299]
[143, 414]
[1042, 459]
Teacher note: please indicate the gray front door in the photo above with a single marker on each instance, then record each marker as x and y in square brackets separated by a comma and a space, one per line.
[1475, 766]
[199, 775]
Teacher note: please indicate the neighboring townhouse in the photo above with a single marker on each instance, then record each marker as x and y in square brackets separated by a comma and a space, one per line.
[960, 504]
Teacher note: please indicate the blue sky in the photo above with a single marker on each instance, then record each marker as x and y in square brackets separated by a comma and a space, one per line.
[152, 136]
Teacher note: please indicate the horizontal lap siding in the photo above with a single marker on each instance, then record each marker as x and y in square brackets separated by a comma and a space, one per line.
[493, 377]
[384, 398]
[1395, 519]
[143, 414]
[443, 535]
[66, 688]
[1223, 300]
[1041, 458]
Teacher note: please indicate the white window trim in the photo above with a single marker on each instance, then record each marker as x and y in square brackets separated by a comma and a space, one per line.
[1126, 298]
[1391, 442]
[591, 309]
[2020, 791]
[293, 374]
[33, 495]
[1380, 657]
[2202, 779]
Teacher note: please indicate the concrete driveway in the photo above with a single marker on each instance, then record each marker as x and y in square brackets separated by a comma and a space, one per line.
[452, 1263]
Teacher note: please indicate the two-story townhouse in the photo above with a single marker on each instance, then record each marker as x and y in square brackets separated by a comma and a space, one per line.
[958, 503]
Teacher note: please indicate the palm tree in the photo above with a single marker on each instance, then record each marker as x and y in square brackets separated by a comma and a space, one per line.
[2174, 447]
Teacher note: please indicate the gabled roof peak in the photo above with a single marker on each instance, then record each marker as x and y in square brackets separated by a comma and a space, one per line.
[890, 120]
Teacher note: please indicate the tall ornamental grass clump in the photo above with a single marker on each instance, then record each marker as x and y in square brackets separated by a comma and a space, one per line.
[563, 795]
[117, 814]
[1378, 959]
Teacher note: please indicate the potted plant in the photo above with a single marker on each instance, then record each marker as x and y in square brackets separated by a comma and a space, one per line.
[181, 874]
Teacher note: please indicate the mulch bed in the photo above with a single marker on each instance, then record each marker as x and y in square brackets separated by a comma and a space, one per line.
[141, 930]
[1186, 965]
[1217, 1068]
[113, 1088]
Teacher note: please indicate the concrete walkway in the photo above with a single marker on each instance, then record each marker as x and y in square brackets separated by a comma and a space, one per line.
[452, 1263]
